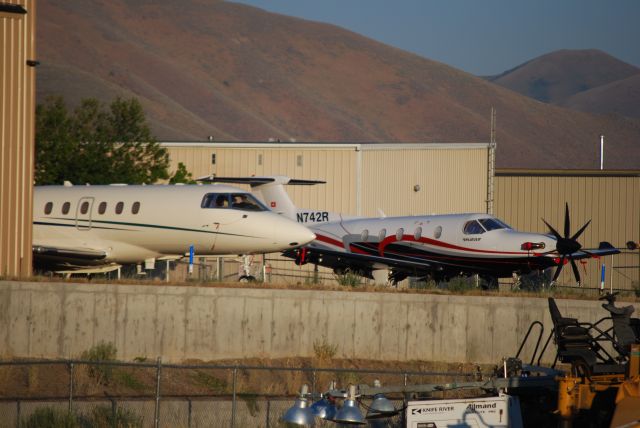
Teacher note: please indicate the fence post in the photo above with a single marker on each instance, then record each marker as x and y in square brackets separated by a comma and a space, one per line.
[233, 403]
[18, 413]
[70, 386]
[157, 411]
[114, 412]
[189, 415]
[405, 401]
[268, 413]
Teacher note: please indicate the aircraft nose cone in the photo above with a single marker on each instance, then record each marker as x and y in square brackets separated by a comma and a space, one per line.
[290, 234]
[302, 236]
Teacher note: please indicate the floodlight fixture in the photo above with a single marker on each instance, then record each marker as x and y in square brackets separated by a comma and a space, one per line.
[325, 408]
[350, 413]
[380, 407]
[300, 414]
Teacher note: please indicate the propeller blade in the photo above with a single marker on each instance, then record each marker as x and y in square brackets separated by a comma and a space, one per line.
[576, 273]
[553, 231]
[579, 232]
[567, 221]
[558, 270]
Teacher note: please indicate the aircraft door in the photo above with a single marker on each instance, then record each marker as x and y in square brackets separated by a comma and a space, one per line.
[224, 221]
[83, 213]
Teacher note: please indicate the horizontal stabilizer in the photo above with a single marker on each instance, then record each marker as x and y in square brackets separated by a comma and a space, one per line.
[253, 181]
[604, 249]
[259, 181]
[604, 245]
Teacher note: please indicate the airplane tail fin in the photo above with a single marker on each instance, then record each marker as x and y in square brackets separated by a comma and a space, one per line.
[270, 189]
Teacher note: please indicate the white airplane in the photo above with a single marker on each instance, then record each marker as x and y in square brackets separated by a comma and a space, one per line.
[89, 229]
[435, 246]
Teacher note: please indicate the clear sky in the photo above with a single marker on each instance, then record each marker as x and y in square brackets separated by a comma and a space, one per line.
[482, 37]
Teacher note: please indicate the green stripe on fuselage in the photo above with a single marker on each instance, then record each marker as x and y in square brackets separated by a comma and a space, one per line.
[141, 225]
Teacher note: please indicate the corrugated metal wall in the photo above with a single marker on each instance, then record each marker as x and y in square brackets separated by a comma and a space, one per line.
[449, 180]
[611, 200]
[334, 165]
[17, 97]
[360, 178]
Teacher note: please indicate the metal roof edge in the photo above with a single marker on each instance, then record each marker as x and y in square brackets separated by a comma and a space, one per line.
[324, 145]
[521, 172]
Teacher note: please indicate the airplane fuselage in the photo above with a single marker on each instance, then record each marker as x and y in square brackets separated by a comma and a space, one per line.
[458, 243]
[134, 223]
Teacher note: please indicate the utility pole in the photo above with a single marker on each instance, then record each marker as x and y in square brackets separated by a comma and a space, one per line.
[491, 170]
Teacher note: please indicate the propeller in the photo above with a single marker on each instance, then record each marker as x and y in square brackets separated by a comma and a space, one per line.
[567, 245]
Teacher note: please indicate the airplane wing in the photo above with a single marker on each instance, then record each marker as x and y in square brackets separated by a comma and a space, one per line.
[364, 262]
[67, 257]
[605, 249]
[76, 253]
[400, 265]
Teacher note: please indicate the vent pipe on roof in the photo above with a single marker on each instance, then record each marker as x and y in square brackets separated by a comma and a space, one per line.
[601, 152]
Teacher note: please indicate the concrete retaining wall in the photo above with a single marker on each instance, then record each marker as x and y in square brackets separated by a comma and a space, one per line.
[58, 320]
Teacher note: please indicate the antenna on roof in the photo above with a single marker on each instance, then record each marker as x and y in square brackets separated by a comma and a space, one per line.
[601, 152]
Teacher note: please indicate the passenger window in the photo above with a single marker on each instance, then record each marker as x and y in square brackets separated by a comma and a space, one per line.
[382, 234]
[135, 208]
[399, 234]
[102, 208]
[437, 233]
[473, 228]
[119, 207]
[364, 235]
[84, 208]
[48, 207]
[66, 207]
[417, 234]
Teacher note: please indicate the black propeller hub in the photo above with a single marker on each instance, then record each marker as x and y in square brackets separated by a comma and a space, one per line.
[567, 246]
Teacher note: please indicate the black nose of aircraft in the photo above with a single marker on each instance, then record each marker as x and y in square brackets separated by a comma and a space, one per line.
[567, 245]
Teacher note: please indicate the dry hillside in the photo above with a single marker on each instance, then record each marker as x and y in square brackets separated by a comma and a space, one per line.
[203, 67]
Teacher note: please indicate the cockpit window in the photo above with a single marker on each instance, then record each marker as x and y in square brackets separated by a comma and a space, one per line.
[241, 201]
[493, 224]
[473, 228]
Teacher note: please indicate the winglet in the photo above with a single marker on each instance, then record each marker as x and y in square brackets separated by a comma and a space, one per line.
[604, 245]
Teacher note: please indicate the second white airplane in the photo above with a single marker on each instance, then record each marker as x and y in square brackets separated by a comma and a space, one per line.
[436, 246]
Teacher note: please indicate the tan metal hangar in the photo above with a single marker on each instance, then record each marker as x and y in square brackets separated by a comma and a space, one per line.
[17, 108]
[410, 179]
[362, 178]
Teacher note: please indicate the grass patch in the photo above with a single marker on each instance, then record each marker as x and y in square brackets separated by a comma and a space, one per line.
[348, 279]
[323, 350]
[102, 352]
[47, 417]
[128, 380]
[104, 416]
[209, 381]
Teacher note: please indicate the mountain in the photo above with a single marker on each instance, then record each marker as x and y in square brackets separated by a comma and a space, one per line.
[621, 97]
[203, 67]
[579, 79]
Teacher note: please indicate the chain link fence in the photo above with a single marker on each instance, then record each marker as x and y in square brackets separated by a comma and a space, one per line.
[81, 393]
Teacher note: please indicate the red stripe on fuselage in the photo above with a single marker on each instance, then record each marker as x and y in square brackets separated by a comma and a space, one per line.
[410, 238]
[328, 240]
